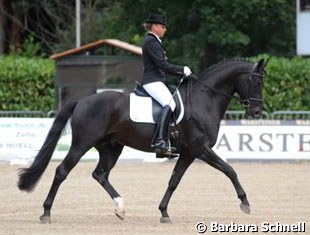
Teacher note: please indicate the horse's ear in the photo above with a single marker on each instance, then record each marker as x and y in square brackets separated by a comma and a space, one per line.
[260, 63]
[267, 61]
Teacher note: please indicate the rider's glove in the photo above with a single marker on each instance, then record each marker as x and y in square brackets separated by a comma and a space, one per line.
[187, 71]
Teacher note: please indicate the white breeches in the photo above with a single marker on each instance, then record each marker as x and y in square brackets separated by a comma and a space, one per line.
[160, 93]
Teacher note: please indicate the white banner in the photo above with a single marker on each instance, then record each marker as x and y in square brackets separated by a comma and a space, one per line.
[263, 142]
[21, 139]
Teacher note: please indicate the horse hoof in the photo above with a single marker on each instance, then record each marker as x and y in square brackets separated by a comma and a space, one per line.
[45, 219]
[165, 220]
[120, 214]
[245, 208]
[119, 207]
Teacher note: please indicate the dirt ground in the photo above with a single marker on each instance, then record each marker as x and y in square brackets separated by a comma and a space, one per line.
[277, 192]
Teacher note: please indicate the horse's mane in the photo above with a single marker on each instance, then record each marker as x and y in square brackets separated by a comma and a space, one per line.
[214, 66]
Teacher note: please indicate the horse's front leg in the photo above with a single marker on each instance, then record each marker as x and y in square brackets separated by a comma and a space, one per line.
[210, 157]
[181, 166]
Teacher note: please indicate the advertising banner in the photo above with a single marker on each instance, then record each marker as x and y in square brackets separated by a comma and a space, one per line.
[22, 138]
[264, 139]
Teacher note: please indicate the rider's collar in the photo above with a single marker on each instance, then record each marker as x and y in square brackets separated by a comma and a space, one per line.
[150, 32]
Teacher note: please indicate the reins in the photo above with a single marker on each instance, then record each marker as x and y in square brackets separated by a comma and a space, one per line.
[237, 98]
[189, 87]
[188, 92]
[245, 102]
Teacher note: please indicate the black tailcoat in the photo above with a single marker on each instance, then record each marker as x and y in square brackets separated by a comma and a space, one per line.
[155, 64]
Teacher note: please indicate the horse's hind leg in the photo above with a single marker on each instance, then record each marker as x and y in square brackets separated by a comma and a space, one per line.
[210, 157]
[72, 158]
[109, 154]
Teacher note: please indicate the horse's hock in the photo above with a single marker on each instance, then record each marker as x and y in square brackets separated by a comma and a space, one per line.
[104, 64]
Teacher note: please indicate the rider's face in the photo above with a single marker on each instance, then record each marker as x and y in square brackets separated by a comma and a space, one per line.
[159, 29]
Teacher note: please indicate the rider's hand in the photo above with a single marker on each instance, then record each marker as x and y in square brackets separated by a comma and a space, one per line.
[187, 71]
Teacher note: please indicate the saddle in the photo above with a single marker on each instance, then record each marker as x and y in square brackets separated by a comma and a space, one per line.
[145, 109]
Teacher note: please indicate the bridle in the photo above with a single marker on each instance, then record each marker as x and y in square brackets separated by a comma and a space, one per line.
[246, 102]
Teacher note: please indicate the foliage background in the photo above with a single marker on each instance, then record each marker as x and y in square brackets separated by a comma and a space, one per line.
[200, 33]
[28, 84]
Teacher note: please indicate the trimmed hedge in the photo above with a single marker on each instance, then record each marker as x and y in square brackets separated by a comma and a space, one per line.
[286, 86]
[27, 84]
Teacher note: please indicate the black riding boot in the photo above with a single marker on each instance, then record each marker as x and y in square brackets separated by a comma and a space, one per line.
[161, 142]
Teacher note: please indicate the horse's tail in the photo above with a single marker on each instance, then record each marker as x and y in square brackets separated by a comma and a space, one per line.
[29, 177]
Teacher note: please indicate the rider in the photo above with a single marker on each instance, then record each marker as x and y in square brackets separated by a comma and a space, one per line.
[155, 67]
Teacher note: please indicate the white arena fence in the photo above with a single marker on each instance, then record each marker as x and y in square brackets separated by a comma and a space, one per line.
[229, 115]
[280, 138]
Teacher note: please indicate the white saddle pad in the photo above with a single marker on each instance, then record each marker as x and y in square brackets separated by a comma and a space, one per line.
[140, 109]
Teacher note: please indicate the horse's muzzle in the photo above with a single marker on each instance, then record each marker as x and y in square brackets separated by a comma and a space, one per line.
[257, 114]
[253, 113]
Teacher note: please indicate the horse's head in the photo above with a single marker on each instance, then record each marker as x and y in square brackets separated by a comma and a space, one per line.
[252, 90]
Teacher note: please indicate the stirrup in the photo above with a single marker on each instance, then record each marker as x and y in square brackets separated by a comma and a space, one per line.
[168, 154]
[164, 149]
[160, 146]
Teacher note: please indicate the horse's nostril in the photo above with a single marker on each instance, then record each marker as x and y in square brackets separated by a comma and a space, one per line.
[258, 113]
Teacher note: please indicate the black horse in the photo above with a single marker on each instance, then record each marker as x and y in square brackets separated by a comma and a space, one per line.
[102, 121]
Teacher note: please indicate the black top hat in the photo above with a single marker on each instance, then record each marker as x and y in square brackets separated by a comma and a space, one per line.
[156, 19]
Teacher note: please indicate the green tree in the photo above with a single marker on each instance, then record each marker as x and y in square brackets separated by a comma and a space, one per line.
[204, 32]
[200, 33]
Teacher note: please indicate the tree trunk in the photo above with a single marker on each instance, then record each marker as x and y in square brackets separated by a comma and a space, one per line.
[2, 31]
[16, 30]
[11, 28]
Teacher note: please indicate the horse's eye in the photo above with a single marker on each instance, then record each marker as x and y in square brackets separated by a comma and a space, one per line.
[246, 103]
